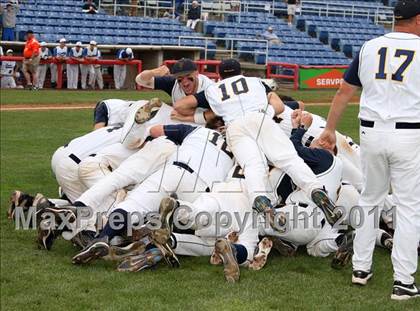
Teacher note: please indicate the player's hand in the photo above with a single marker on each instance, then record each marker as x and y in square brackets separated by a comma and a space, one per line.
[175, 115]
[296, 117]
[306, 119]
[327, 139]
[163, 71]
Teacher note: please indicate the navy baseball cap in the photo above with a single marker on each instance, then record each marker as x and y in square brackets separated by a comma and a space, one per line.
[406, 9]
[229, 68]
[183, 67]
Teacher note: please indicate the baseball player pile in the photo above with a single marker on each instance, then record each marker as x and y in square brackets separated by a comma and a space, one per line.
[231, 171]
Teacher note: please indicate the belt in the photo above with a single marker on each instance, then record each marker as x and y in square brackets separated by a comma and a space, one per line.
[74, 158]
[184, 166]
[398, 125]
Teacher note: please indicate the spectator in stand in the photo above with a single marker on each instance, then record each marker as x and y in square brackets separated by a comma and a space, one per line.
[45, 54]
[8, 15]
[92, 53]
[75, 58]
[134, 9]
[32, 56]
[120, 71]
[270, 36]
[194, 15]
[291, 10]
[8, 72]
[89, 7]
[60, 54]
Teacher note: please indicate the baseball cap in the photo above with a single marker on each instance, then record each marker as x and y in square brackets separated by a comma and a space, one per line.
[43, 43]
[229, 68]
[9, 51]
[194, 2]
[406, 9]
[78, 43]
[129, 51]
[183, 67]
[270, 28]
[30, 31]
[62, 40]
[92, 42]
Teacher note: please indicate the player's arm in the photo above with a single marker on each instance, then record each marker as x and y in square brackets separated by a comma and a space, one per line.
[275, 101]
[147, 77]
[175, 133]
[100, 115]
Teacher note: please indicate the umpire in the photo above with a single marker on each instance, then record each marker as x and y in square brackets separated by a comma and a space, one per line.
[388, 70]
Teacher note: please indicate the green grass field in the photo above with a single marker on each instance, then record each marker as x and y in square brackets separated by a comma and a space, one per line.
[33, 279]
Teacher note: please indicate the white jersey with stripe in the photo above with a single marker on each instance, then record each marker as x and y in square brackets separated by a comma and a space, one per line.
[7, 67]
[203, 83]
[61, 52]
[206, 152]
[117, 110]
[236, 96]
[389, 71]
[94, 141]
[75, 53]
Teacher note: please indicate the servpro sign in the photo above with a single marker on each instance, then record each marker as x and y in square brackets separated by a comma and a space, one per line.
[320, 77]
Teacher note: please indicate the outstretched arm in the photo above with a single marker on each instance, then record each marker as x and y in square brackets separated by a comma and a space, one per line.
[147, 77]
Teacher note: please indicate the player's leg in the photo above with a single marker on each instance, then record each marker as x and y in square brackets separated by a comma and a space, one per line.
[405, 182]
[53, 70]
[123, 74]
[116, 76]
[84, 73]
[132, 171]
[69, 76]
[192, 245]
[67, 176]
[375, 188]
[91, 71]
[98, 75]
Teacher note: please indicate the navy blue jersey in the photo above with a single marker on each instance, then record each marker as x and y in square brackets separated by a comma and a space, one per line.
[319, 160]
[177, 132]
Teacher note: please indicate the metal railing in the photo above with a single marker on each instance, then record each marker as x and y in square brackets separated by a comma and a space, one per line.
[133, 8]
[231, 44]
[378, 13]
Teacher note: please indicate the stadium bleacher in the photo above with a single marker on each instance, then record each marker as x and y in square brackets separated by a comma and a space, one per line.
[313, 39]
[54, 19]
[298, 47]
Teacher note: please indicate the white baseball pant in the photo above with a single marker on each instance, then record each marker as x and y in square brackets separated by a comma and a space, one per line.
[85, 70]
[97, 77]
[120, 72]
[8, 82]
[66, 171]
[72, 76]
[390, 156]
[256, 136]
[41, 73]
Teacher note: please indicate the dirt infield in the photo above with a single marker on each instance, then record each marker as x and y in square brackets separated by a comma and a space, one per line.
[47, 107]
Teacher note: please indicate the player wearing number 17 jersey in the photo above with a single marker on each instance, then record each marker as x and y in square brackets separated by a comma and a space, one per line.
[252, 135]
[388, 70]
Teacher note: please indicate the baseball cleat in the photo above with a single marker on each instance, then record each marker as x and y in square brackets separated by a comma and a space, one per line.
[133, 249]
[321, 199]
[19, 199]
[166, 211]
[345, 249]
[387, 241]
[141, 262]
[227, 252]
[284, 248]
[97, 249]
[46, 234]
[148, 111]
[215, 258]
[360, 277]
[402, 291]
[262, 204]
[66, 214]
[83, 238]
[260, 258]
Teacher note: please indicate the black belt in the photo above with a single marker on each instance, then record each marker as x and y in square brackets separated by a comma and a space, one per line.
[398, 125]
[184, 166]
[74, 158]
